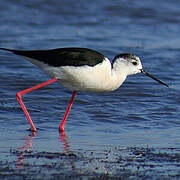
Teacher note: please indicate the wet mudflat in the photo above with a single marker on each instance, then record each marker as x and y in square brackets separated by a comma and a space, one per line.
[112, 163]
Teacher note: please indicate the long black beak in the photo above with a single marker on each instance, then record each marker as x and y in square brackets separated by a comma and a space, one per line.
[151, 76]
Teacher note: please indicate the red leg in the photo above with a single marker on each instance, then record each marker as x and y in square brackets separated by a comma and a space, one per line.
[21, 93]
[63, 122]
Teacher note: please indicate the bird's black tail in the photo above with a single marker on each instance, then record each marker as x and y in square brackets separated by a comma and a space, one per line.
[6, 49]
[18, 52]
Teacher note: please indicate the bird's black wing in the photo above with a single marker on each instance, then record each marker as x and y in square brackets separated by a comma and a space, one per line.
[63, 56]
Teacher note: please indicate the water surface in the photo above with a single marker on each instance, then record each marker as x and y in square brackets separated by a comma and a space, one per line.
[138, 121]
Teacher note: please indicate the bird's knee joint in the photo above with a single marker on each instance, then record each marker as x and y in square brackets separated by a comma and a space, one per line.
[18, 95]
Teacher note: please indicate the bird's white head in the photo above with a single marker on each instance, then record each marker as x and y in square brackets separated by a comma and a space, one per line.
[127, 63]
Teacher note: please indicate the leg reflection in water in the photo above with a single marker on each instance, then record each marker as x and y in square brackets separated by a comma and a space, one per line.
[64, 140]
[25, 149]
[25, 152]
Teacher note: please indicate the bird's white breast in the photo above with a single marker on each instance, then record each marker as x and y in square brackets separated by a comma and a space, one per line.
[98, 78]
[84, 78]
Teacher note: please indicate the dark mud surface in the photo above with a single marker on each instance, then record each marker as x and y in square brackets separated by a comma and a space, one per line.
[113, 163]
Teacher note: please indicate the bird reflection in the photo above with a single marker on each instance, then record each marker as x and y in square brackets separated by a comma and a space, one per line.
[26, 148]
[64, 140]
[22, 151]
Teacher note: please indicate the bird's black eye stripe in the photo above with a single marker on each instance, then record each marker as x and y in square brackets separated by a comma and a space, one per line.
[134, 63]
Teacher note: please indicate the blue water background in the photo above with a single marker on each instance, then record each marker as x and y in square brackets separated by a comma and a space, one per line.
[140, 113]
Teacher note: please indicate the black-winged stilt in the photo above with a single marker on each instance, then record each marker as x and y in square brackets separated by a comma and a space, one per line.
[80, 69]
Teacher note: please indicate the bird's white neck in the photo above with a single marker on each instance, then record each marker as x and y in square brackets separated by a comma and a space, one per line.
[119, 75]
[108, 78]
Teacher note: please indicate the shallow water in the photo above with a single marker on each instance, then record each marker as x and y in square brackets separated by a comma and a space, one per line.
[141, 114]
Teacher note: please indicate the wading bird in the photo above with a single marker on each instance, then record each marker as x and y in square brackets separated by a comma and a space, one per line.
[80, 69]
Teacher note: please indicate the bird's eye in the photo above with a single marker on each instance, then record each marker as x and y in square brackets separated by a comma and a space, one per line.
[134, 63]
